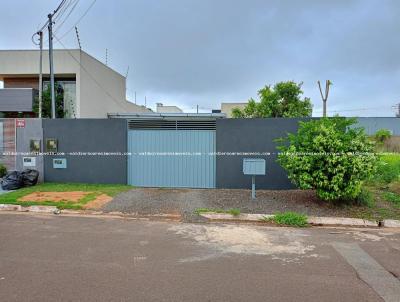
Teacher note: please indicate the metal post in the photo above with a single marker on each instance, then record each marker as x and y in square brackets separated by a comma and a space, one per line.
[40, 74]
[53, 101]
[253, 187]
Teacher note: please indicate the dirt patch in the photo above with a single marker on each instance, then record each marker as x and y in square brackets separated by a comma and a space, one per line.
[220, 240]
[73, 196]
[98, 203]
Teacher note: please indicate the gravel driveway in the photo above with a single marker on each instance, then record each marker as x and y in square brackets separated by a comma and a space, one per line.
[144, 201]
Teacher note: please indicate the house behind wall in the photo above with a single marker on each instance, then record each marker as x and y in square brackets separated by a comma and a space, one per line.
[90, 88]
[235, 139]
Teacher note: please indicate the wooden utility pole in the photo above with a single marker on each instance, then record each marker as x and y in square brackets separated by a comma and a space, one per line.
[325, 95]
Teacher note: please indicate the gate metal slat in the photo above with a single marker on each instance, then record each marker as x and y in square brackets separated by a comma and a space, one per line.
[191, 171]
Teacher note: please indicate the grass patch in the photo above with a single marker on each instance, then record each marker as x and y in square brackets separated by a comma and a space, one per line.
[234, 212]
[288, 219]
[366, 198]
[388, 169]
[380, 196]
[392, 197]
[96, 189]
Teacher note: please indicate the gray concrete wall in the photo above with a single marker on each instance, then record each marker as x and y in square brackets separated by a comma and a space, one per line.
[373, 124]
[258, 135]
[251, 135]
[87, 135]
[32, 130]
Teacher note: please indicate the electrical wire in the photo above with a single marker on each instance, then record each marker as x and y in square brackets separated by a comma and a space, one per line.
[54, 12]
[62, 3]
[89, 74]
[79, 20]
[69, 14]
[354, 109]
[62, 10]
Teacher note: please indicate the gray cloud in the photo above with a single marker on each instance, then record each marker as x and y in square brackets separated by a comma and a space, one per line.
[204, 52]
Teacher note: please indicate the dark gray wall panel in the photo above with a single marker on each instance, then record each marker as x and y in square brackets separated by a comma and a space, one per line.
[251, 135]
[373, 124]
[32, 130]
[258, 135]
[87, 135]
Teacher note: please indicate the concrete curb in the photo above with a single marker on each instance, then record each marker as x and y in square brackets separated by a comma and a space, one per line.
[342, 221]
[68, 212]
[390, 223]
[317, 221]
[36, 209]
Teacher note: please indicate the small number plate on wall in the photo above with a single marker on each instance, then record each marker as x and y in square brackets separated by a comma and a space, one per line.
[29, 161]
[59, 163]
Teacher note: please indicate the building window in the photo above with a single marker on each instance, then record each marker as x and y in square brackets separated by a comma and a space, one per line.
[68, 90]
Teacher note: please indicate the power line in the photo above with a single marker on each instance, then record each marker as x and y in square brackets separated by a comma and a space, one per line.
[88, 73]
[70, 12]
[63, 10]
[356, 109]
[79, 20]
[54, 13]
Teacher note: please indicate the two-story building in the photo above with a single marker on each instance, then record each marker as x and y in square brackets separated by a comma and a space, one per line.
[89, 88]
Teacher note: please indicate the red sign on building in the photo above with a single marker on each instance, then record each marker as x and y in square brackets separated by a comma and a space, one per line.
[19, 123]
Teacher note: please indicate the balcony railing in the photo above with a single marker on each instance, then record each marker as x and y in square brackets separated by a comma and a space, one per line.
[17, 99]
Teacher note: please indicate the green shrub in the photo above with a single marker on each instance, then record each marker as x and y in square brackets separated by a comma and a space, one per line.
[382, 135]
[289, 219]
[388, 168]
[3, 171]
[329, 155]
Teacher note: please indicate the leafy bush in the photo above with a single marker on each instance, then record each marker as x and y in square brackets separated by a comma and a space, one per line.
[3, 171]
[330, 156]
[290, 219]
[382, 135]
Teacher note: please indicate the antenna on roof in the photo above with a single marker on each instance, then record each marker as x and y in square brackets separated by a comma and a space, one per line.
[127, 72]
[77, 37]
[106, 56]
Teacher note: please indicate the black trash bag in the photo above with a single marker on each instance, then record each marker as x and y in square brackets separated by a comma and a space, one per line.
[30, 177]
[12, 181]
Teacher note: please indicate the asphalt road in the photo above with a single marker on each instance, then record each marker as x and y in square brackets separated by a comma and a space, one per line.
[60, 258]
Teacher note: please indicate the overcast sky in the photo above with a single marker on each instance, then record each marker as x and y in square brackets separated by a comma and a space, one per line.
[211, 51]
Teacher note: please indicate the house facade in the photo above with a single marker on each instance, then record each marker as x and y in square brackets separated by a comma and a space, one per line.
[89, 88]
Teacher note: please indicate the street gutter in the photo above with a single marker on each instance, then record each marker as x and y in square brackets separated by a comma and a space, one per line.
[210, 216]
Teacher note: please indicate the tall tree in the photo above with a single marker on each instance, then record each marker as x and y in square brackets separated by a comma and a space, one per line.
[284, 99]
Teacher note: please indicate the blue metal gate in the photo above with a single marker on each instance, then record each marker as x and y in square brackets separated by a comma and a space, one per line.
[171, 158]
